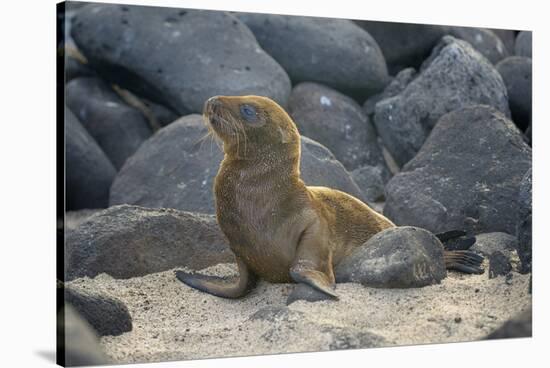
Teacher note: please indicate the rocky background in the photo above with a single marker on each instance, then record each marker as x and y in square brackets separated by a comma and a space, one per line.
[431, 125]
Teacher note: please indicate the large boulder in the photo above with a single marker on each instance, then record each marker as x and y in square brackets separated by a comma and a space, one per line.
[466, 176]
[334, 52]
[524, 44]
[119, 129]
[485, 41]
[400, 257]
[129, 241]
[108, 316]
[177, 57]
[403, 44]
[516, 71]
[337, 122]
[176, 168]
[524, 225]
[88, 171]
[454, 76]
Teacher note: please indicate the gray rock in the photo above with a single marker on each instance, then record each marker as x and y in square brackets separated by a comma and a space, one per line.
[400, 257]
[337, 122]
[176, 168]
[404, 44]
[129, 241]
[485, 41]
[334, 52]
[108, 316]
[369, 180]
[454, 76]
[516, 71]
[177, 57]
[318, 166]
[80, 344]
[397, 84]
[75, 69]
[499, 265]
[524, 222]
[306, 293]
[73, 219]
[524, 44]
[466, 176]
[162, 114]
[508, 38]
[119, 129]
[519, 326]
[489, 243]
[88, 171]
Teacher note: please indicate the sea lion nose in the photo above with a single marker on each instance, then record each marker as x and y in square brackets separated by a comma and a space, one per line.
[213, 104]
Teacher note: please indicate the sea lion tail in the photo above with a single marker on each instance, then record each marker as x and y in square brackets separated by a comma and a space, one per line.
[463, 260]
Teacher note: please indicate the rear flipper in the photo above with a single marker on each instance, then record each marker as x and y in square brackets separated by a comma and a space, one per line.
[463, 261]
[218, 286]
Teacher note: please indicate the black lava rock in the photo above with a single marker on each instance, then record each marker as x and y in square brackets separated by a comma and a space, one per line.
[400, 257]
[499, 265]
[334, 52]
[489, 243]
[108, 316]
[466, 176]
[370, 180]
[118, 128]
[176, 57]
[516, 71]
[337, 122]
[176, 168]
[130, 241]
[454, 76]
[397, 84]
[524, 222]
[524, 44]
[88, 171]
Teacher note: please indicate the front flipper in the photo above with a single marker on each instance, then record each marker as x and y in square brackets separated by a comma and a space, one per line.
[218, 286]
[303, 272]
[313, 262]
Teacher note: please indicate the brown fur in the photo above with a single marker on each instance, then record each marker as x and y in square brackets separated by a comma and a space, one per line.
[279, 229]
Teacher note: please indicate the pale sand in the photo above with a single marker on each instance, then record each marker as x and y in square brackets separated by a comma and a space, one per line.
[174, 322]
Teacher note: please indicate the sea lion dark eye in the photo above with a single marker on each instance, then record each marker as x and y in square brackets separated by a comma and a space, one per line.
[248, 112]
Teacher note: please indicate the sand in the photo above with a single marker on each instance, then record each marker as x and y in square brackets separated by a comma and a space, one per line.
[174, 322]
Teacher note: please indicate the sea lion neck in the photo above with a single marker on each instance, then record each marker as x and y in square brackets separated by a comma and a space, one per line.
[281, 164]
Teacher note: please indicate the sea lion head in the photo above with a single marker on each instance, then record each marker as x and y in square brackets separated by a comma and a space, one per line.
[251, 125]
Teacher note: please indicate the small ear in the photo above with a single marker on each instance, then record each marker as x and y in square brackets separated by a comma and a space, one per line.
[285, 136]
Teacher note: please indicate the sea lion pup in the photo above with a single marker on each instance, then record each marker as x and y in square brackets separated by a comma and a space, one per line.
[279, 229]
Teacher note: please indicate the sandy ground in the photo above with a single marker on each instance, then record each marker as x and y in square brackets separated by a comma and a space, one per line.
[174, 322]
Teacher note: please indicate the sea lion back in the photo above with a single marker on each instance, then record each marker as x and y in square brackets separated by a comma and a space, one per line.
[353, 222]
